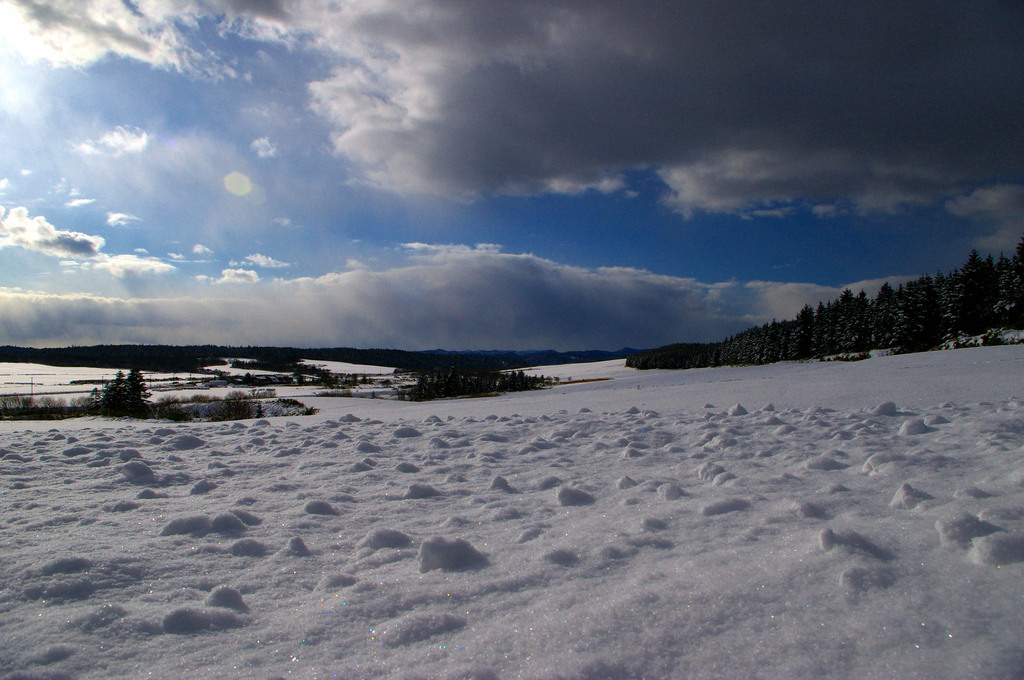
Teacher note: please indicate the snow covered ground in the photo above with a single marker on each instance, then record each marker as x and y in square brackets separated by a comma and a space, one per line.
[36, 379]
[860, 520]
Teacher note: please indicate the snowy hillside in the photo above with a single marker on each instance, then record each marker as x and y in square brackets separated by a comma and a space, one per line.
[789, 521]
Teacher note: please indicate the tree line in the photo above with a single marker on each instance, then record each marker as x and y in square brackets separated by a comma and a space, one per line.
[983, 294]
[457, 383]
[192, 358]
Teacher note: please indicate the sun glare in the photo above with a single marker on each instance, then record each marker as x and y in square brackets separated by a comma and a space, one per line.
[238, 183]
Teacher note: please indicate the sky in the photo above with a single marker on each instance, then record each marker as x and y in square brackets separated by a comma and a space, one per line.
[530, 174]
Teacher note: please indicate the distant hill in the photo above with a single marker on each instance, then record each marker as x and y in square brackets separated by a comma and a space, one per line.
[965, 306]
[543, 357]
[191, 358]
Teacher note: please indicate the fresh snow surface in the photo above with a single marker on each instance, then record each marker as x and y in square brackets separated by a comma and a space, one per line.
[347, 368]
[41, 379]
[861, 520]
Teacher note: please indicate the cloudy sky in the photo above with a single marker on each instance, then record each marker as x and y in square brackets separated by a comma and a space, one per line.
[459, 174]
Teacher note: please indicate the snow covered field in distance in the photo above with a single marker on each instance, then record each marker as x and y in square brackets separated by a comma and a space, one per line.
[841, 520]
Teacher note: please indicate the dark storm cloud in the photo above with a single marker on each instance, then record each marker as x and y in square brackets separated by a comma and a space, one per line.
[738, 104]
[444, 296]
[269, 9]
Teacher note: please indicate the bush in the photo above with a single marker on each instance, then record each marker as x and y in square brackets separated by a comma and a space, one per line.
[20, 407]
[236, 406]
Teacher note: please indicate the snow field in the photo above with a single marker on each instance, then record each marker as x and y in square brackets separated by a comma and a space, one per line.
[736, 539]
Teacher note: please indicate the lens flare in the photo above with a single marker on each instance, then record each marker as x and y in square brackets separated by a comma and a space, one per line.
[238, 183]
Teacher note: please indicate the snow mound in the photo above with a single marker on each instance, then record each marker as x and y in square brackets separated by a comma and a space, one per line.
[762, 553]
[449, 555]
[189, 620]
[384, 538]
[568, 495]
[228, 598]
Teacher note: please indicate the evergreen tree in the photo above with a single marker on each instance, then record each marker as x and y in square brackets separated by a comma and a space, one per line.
[802, 336]
[919, 325]
[824, 330]
[917, 316]
[136, 394]
[1011, 289]
[883, 316]
[95, 403]
[978, 294]
[115, 396]
[125, 396]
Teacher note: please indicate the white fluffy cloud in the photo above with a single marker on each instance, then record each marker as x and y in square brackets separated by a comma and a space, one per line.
[232, 276]
[17, 229]
[264, 261]
[81, 251]
[125, 265]
[263, 147]
[119, 219]
[1001, 206]
[82, 32]
[116, 142]
[455, 297]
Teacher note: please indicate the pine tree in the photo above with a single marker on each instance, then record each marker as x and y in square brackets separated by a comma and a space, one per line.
[115, 396]
[802, 337]
[919, 325]
[125, 396]
[883, 317]
[1011, 289]
[821, 335]
[975, 294]
[136, 394]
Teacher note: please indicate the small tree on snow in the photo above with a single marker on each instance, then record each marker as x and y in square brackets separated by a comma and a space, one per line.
[125, 395]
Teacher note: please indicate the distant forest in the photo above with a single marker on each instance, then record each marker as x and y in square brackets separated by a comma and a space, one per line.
[983, 294]
[191, 358]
